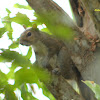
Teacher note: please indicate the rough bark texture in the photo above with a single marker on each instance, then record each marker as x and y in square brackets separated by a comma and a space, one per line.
[90, 6]
[87, 26]
[61, 89]
[85, 50]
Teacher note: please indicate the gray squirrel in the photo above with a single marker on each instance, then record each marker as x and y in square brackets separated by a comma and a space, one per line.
[46, 47]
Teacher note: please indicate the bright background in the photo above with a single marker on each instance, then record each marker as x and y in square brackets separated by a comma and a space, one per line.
[17, 30]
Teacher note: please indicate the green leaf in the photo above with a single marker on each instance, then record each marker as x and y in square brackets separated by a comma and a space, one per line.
[42, 74]
[10, 35]
[46, 30]
[25, 75]
[7, 55]
[61, 31]
[29, 54]
[3, 77]
[39, 20]
[25, 94]
[95, 88]
[15, 44]
[88, 83]
[9, 29]
[10, 75]
[8, 11]
[31, 75]
[3, 81]
[18, 59]
[7, 26]
[6, 19]
[9, 93]
[22, 6]
[46, 92]
[2, 31]
[22, 19]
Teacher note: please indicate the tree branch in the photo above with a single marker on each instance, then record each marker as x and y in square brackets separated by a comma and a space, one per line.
[53, 15]
[61, 89]
[90, 6]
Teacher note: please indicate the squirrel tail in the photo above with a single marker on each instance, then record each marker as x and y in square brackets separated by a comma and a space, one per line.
[85, 91]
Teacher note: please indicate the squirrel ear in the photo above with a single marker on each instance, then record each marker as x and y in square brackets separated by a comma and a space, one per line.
[24, 26]
[34, 26]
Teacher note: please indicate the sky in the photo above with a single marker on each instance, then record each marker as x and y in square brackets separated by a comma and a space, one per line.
[18, 29]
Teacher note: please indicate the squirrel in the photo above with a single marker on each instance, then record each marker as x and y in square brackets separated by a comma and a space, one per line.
[46, 47]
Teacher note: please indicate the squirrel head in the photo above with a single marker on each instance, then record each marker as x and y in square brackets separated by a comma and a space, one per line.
[29, 36]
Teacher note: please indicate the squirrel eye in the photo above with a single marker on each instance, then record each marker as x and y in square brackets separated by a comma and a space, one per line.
[29, 34]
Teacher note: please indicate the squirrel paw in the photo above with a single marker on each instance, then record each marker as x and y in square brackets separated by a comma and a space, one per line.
[56, 71]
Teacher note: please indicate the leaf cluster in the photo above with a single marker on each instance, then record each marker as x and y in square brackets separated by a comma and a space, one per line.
[22, 71]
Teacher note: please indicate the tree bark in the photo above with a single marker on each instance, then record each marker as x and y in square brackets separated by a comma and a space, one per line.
[86, 21]
[85, 51]
[62, 90]
[91, 7]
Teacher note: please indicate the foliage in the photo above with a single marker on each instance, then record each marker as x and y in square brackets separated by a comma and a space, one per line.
[28, 72]
[21, 19]
[22, 6]
[61, 31]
